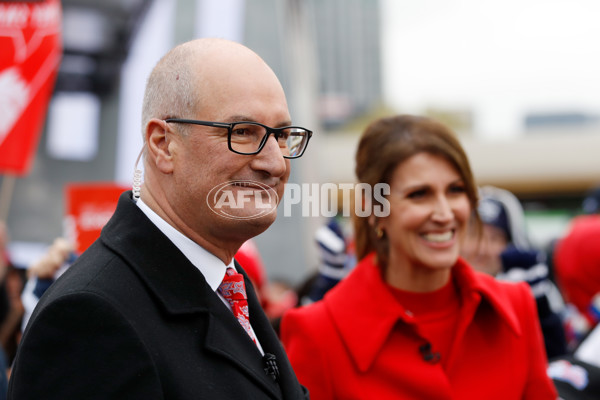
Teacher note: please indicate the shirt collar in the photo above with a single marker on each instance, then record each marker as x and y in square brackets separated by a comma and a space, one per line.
[208, 264]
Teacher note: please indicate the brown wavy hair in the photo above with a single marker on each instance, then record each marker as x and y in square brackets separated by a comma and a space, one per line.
[388, 142]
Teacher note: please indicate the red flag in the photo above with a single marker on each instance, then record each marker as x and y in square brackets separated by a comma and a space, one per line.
[30, 51]
[89, 207]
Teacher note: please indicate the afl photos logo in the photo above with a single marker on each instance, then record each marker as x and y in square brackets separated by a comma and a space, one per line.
[242, 200]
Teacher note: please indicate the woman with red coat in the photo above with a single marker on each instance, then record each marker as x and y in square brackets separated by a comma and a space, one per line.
[413, 320]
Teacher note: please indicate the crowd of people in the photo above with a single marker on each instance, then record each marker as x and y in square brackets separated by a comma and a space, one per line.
[443, 297]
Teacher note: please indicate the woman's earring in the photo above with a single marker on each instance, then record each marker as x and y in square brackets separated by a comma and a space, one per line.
[379, 232]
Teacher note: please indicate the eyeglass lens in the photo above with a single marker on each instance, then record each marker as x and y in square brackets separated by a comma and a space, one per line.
[248, 138]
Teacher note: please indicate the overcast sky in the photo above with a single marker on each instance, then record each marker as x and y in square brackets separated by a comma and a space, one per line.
[500, 58]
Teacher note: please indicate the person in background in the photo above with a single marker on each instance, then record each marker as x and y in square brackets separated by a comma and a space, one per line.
[157, 307]
[337, 259]
[502, 249]
[577, 269]
[503, 226]
[275, 296]
[413, 320]
[43, 272]
[591, 201]
[12, 280]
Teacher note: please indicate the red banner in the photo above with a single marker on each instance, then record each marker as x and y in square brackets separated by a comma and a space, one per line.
[30, 51]
[89, 206]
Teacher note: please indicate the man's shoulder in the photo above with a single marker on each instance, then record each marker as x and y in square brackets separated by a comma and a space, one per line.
[97, 272]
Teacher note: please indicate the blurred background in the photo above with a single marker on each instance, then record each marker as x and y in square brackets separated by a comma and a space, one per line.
[518, 81]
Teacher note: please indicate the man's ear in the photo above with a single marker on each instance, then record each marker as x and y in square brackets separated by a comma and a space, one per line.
[158, 145]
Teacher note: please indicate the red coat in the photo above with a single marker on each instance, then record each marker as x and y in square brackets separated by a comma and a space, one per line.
[358, 343]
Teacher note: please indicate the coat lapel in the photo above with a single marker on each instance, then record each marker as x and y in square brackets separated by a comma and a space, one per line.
[271, 343]
[227, 338]
[364, 312]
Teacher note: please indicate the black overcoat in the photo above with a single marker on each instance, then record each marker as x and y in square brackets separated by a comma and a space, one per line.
[134, 319]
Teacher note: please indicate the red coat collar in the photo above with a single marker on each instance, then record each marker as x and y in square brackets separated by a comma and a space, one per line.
[365, 311]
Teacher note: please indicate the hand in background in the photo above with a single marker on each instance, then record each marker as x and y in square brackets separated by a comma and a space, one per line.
[58, 253]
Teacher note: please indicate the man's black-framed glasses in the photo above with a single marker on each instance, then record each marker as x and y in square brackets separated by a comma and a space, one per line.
[249, 138]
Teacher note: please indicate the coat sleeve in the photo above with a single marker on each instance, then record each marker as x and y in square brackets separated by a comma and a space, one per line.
[539, 385]
[303, 342]
[80, 346]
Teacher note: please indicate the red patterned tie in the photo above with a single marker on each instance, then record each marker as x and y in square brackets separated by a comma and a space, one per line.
[234, 291]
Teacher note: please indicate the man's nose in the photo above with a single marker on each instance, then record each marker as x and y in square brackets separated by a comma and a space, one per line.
[270, 159]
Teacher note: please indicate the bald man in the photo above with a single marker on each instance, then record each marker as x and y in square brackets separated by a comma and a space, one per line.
[157, 308]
